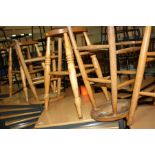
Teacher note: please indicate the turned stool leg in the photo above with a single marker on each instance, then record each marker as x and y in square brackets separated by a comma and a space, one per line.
[24, 83]
[113, 67]
[140, 73]
[82, 70]
[99, 74]
[10, 71]
[47, 73]
[72, 74]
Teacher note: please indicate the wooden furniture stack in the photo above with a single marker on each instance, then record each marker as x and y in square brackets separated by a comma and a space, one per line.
[113, 109]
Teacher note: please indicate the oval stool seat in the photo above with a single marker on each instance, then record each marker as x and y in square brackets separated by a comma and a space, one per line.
[105, 112]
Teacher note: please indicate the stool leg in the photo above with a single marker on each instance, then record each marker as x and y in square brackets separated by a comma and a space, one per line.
[24, 83]
[59, 64]
[99, 74]
[113, 67]
[140, 73]
[82, 69]
[47, 73]
[72, 75]
[24, 67]
[10, 71]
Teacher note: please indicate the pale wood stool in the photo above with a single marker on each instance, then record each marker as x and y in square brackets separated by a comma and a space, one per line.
[113, 109]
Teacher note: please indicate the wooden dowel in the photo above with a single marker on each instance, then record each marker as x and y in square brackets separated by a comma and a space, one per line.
[99, 80]
[39, 59]
[128, 50]
[87, 71]
[30, 66]
[86, 66]
[92, 47]
[53, 64]
[72, 74]
[150, 53]
[150, 59]
[140, 73]
[10, 71]
[82, 69]
[86, 38]
[59, 64]
[39, 54]
[128, 42]
[27, 43]
[151, 94]
[47, 73]
[130, 72]
[84, 53]
[99, 74]
[24, 83]
[113, 67]
[126, 83]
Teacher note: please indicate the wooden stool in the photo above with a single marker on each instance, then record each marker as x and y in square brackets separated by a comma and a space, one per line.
[113, 109]
[60, 35]
[140, 73]
[28, 70]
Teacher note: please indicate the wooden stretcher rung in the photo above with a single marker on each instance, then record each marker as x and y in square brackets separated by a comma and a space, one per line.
[150, 59]
[86, 66]
[151, 94]
[87, 71]
[150, 53]
[29, 42]
[84, 53]
[126, 83]
[42, 81]
[35, 71]
[92, 47]
[128, 50]
[128, 42]
[126, 72]
[15, 71]
[38, 59]
[60, 73]
[99, 80]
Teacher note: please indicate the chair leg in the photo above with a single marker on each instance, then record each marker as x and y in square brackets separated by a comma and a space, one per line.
[72, 75]
[82, 69]
[113, 67]
[99, 74]
[59, 65]
[24, 84]
[140, 73]
[47, 73]
[27, 75]
[10, 71]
